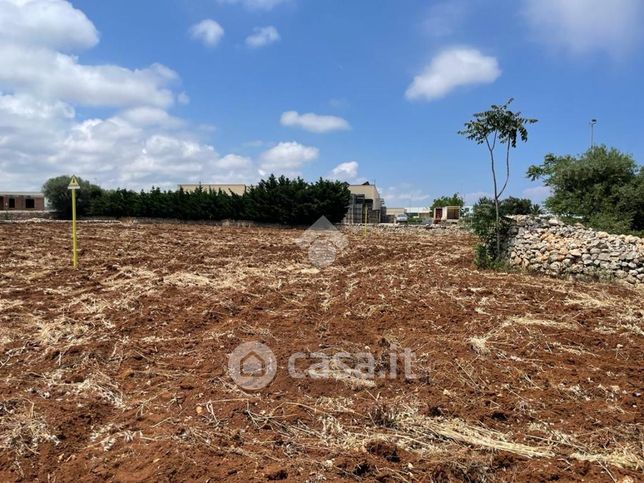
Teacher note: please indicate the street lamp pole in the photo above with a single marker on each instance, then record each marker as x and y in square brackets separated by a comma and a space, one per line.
[592, 132]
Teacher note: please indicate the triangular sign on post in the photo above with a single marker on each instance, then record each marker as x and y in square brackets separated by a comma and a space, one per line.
[73, 184]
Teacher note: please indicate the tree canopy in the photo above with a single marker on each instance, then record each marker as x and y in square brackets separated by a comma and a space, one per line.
[454, 200]
[60, 198]
[602, 187]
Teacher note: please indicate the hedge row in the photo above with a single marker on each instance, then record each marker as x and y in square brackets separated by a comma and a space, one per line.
[274, 200]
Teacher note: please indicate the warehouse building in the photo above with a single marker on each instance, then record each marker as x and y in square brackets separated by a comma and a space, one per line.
[22, 200]
[365, 205]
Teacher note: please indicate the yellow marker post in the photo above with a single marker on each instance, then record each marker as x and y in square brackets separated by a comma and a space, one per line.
[73, 186]
[365, 218]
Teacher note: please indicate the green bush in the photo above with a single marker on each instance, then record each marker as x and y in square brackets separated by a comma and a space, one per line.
[483, 223]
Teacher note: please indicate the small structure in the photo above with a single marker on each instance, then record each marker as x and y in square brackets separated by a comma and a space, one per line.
[447, 214]
[22, 200]
[238, 189]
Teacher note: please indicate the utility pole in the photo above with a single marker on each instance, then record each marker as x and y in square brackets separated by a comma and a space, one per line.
[592, 132]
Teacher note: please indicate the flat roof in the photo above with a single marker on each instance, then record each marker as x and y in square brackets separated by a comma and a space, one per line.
[369, 191]
[22, 193]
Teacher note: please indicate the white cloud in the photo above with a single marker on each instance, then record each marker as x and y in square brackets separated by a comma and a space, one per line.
[405, 195]
[286, 158]
[33, 34]
[32, 109]
[133, 149]
[314, 122]
[345, 171]
[30, 128]
[168, 157]
[582, 26]
[233, 168]
[256, 4]
[537, 194]
[52, 23]
[208, 32]
[129, 155]
[55, 75]
[450, 69]
[234, 161]
[137, 143]
[41, 135]
[262, 36]
[150, 116]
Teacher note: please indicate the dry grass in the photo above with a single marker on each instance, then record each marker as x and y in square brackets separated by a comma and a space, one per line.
[403, 426]
[480, 343]
[100, 385]
[624, 458]
[539, 322]
[60, 330]
[21, 429]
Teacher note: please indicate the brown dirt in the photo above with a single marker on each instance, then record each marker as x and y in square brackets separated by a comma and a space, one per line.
[117, 370]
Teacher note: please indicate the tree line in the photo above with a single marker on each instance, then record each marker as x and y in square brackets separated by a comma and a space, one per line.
[273, 200]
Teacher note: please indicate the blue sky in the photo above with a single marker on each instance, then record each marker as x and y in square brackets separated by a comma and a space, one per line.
[139, 93]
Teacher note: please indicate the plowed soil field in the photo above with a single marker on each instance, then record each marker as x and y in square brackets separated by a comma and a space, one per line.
[118, 370]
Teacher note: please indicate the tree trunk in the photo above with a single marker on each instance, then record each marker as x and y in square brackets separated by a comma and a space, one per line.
[496, 207]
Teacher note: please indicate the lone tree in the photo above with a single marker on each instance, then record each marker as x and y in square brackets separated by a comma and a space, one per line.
[498, 126]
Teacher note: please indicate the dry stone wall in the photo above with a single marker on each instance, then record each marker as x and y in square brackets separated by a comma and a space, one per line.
[8, 215]
[547, 245]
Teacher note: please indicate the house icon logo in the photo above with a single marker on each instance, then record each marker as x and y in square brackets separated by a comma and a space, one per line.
[323, 242]
[252, 366]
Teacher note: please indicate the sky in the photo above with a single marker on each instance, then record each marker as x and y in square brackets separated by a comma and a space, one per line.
[135, 94]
